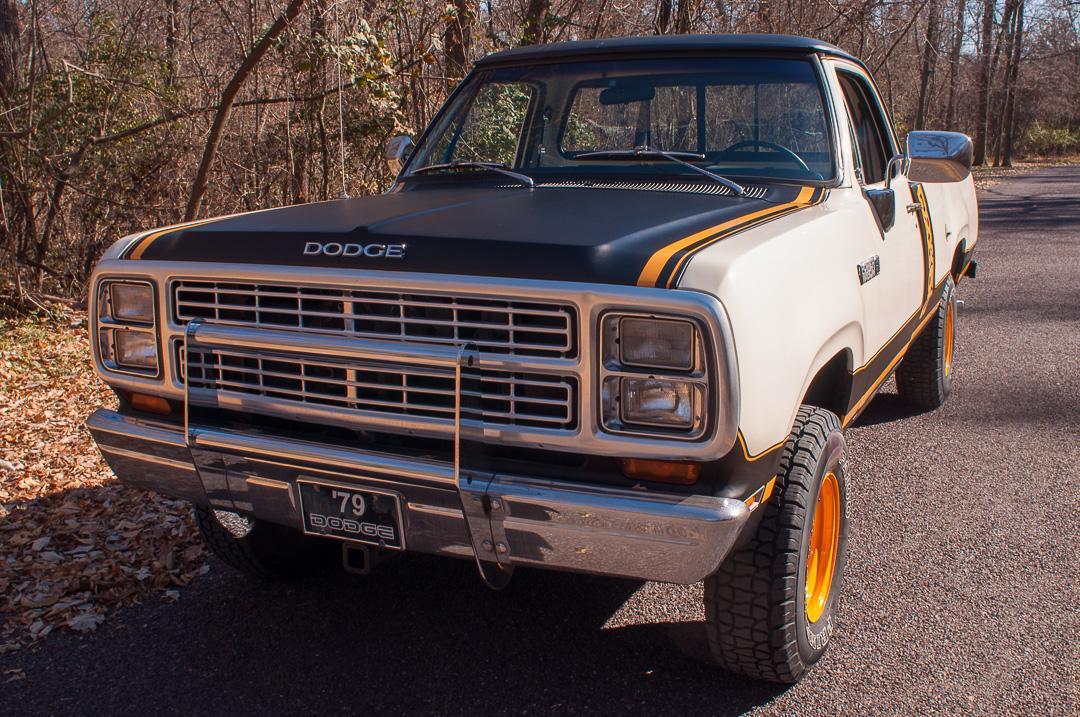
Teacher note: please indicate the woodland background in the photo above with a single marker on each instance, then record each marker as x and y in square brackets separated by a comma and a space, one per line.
[117, 115]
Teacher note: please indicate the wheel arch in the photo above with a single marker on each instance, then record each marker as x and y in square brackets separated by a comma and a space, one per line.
[828, 382]
[960, 259]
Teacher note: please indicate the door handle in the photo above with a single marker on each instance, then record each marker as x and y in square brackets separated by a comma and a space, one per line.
[914, 207]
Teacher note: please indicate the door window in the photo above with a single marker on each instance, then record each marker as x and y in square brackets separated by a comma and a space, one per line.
[869, 128]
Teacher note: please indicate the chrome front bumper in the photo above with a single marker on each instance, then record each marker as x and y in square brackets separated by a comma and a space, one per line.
[499, 520]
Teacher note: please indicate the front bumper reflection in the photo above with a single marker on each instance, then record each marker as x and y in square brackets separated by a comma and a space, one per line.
[641, 534]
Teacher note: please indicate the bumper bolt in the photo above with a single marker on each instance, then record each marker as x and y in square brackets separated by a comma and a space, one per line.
[496, 504]
[486, 545]
[501, 548]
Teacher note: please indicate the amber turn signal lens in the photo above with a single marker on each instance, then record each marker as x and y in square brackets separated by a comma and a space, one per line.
[678, 472]
[150, 404]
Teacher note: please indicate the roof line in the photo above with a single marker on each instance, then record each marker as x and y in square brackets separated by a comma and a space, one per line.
[666, 44]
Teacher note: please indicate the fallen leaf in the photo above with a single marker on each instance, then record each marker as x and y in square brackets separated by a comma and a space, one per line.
[85, 622]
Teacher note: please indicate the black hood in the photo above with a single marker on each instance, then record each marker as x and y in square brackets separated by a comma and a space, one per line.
[570, 234]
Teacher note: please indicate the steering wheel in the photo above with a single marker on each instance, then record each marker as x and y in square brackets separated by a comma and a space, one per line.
[771, 145]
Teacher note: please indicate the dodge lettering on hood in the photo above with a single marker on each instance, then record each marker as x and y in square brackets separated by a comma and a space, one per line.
[613, 316]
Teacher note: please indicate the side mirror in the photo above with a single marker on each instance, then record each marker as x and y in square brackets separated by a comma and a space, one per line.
[938, 156]
[398, 150]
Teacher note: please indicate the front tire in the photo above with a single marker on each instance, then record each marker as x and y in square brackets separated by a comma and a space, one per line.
[260, 549]
[770, 608]
[924, 377]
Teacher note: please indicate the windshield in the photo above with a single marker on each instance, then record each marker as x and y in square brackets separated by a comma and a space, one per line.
[745, 117]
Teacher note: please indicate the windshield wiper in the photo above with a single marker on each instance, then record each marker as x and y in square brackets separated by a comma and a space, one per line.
[677, 157]
[490, 166]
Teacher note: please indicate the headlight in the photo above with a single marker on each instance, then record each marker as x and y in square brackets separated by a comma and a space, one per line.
[659, 402]
[654, 377]
[127, 332]
[130, 302]
[656, 343]
[135, 349]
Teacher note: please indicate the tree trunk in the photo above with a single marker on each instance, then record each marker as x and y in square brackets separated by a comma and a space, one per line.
[929, 63]
[171, 40]
[457, 39]
[684, 17]
[9, 45]
[982, 115]
[221, 118]
[663, 17]
[1010, 96]
[954, 65]
[993, 125]
[535, 19]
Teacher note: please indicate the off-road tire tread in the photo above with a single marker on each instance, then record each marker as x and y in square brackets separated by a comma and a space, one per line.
[238, 553]
[920, 378]
[750, 602]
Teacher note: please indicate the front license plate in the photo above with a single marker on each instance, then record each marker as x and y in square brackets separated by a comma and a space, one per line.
[362, 516]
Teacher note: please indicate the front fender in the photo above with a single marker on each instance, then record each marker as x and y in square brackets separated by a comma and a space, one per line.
[791, 291]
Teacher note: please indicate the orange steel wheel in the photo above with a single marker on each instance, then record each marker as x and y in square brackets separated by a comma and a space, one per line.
[824, 547]
[950, 329]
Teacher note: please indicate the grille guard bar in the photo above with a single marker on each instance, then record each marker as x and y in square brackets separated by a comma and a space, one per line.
[491, 551]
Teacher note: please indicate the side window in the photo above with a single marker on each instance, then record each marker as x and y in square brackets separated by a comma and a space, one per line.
[868, 126]
[492, 127]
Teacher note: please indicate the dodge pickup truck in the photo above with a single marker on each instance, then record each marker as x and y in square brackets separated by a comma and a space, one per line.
[613, 316]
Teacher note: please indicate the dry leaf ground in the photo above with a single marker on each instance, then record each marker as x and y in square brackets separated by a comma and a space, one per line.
[74, 543]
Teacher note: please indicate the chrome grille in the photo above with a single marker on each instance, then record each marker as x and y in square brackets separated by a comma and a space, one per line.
[498, 397]
[516, 328]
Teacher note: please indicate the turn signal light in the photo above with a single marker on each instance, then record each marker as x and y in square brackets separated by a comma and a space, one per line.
[150, 404]
[678, 472]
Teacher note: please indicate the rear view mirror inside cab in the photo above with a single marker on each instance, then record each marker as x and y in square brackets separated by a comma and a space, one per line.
[625, 94]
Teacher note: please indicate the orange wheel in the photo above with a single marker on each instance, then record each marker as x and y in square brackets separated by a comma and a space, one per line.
[950, 333]
[824, 547]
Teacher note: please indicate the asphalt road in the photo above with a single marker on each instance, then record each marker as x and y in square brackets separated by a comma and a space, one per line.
[961, 596]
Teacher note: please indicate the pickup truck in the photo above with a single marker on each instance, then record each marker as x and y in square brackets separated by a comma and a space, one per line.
[613, 316]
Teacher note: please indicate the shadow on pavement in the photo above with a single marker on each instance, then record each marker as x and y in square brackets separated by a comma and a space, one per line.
[885, 408]
[419, 635]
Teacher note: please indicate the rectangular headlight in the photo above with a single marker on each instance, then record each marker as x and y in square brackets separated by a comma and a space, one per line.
[135, 349]
[658, 402]
[656, 343]
[128, 350]
[127, 302]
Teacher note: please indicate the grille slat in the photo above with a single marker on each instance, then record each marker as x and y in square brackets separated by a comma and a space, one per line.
[504, 398]
[516, 328]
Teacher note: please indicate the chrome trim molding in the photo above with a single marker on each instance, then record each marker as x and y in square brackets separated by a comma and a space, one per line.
[590, 300]
[646, 535]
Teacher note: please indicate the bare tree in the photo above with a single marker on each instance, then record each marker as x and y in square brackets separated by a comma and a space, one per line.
[1012, 73]
[954, 63]
[228, 96]
[9, 43]
[457, 37]
[536, 18]
[982, 115]
[929, 62]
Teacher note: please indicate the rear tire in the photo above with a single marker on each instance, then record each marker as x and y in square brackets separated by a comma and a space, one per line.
[260, 549]
[924, 377]
[769, 609]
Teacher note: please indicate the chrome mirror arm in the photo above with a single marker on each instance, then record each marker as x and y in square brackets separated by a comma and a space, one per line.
[902, 161]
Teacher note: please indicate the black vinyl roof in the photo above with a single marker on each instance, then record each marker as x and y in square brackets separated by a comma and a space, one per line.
[665, 44]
